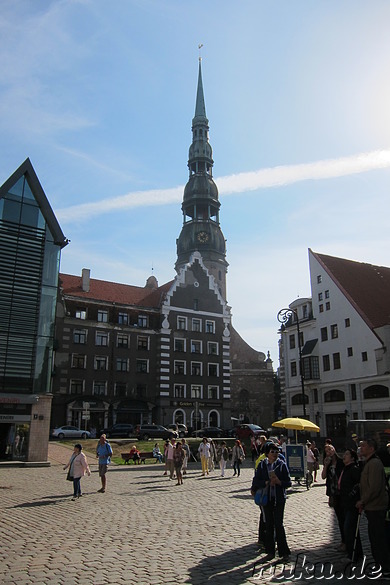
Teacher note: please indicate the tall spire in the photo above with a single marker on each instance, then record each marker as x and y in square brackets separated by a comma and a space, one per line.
[200, 108]
[201, 230]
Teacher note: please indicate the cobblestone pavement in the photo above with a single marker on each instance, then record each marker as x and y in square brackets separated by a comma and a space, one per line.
[146, 530]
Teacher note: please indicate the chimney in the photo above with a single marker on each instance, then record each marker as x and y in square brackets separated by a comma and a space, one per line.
[85, 274]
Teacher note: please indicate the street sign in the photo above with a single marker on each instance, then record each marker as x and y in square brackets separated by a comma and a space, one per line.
[86, 416]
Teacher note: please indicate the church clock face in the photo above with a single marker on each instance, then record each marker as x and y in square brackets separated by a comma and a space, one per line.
[203, 237]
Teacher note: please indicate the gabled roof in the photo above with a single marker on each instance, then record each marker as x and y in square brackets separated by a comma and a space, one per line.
[113, 292]
[27, 169]
[366, 286]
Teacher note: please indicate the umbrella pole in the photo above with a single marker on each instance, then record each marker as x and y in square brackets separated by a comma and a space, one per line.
[296, 437]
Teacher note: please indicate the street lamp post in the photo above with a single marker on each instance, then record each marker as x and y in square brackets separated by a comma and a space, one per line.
[283, 317]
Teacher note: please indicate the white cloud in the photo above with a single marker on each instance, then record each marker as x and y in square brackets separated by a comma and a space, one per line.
[240, 183]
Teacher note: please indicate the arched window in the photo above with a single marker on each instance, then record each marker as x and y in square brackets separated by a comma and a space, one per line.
[334, 396]
[197, 424]
[376, 391]
[213, 418]
[297, 399]
[179, 417]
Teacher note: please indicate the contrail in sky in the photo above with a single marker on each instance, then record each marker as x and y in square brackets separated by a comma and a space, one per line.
[234, 184]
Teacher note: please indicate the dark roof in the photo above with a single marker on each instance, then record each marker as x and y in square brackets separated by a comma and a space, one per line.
[113, 292]
[366, 286]
[27, 169]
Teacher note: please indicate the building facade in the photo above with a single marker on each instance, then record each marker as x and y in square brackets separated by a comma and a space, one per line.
[159, 353]
[344, 341]
[30, 244]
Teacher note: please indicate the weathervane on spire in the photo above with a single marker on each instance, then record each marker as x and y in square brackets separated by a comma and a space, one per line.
[200, 54]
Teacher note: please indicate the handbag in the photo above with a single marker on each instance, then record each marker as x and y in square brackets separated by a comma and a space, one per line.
[261, 497]
[69, 477]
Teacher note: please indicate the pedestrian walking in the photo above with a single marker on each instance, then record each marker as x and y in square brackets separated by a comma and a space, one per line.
[333, 466]
[178, 458]
[348, 485]
[104, 454]
[170, 448]
[204, 452]
[224, 458]
[238, 456]
[272, 475]
[374, 501]
[187, 457]
[78, 467]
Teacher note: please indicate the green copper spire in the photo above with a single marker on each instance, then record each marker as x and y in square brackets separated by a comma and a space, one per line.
[200, 108]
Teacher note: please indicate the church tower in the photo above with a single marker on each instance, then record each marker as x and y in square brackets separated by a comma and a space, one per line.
[201, 230]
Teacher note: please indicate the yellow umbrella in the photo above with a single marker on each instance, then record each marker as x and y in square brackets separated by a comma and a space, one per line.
[296, 424]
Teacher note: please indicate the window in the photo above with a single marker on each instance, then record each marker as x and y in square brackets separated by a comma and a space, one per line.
[212, 348]
[182, 323]
[364, 356]
[326, 363]
[143, 342]
[180, 345]
[321, 308]
[326, 294]
[213, 369]
[304, 311]
[196, 391]
[141, 390]
[334, 396]
[320, 296]
[293, 366]
[122, 365]
[298, 399]
[120, 389]
[196, 305]
[336, 361]
[78, 361]
[347, 322]
[142, 366]
[334, 332]
[315, 395]
[101, 338]
[123, 318]
[142, 321]
[179, 391]
[102, 316]
[376, 391]
[81, 314]
[196, 346]
[212, 392]
[311, 368]
[327, 306]
[324, 334]
[319, 279]
[210, 327]
[100, 362]
[99, 388]
[292, 341]
[353, 391]
[301, 339]
[79, 336]
[196, 368]
[122, 340]
[196, 325]
[180, 367]
[349, 351]
[76, 386]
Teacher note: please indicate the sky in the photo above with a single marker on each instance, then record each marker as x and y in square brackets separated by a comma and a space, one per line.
[100, 96]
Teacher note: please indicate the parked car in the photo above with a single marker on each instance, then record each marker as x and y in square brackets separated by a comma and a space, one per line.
[209, 432]
[180, 428]
[118, 430]
[147, 432]
[245, 431]
[69, 432]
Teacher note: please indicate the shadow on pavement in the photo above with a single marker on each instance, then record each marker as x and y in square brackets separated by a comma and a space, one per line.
[228, 568]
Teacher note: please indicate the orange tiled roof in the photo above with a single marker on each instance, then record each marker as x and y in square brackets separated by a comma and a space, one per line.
[366, 286]
[113, 292]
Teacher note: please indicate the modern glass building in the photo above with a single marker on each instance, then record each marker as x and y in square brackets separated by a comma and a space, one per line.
[30, 244]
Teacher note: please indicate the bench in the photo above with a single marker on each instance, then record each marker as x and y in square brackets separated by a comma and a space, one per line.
[143, 456]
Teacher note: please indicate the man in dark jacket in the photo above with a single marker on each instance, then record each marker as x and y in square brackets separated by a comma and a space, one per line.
[374, 500]
[272, 474]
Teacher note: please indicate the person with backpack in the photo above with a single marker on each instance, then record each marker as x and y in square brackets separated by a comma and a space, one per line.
[104, 454]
